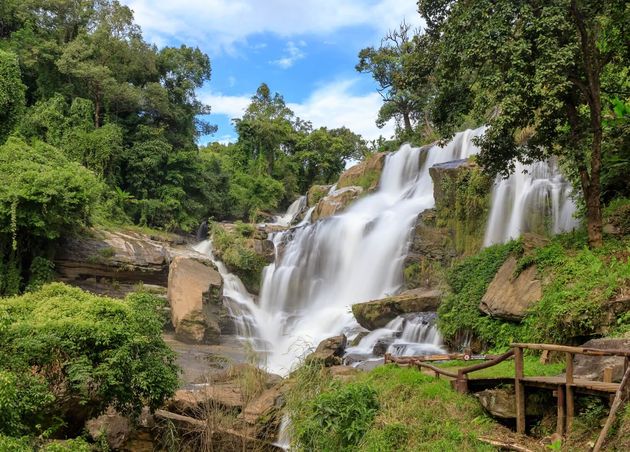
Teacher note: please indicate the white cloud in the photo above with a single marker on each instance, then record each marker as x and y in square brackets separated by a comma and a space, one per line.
[292, 53]
[332, 105]
[221, 23]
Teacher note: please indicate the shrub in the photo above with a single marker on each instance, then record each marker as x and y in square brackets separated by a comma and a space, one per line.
[459, 312]
[64, 351]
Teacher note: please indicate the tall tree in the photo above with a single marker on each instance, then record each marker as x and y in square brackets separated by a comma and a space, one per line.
[11, 93]
[541, 74]
[388, 65]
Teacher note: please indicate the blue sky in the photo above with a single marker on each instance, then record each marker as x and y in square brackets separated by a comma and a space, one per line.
[304, 49]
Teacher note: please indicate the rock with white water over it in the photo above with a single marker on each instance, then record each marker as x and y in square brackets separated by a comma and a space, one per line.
[194, 288]
[509, 297]
[378, 313]
[335, 202]
[592, 367]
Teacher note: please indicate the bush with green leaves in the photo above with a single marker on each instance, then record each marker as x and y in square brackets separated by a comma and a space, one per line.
[233, 248]
[42, 196]
[12, 101]
[468, 280]
[66, 355]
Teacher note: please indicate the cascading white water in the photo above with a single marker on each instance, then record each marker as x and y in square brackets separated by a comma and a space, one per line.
[292, 212]
[356, 256]
[534, 198]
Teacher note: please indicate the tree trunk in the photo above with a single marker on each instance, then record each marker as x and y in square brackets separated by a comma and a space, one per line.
[594, 217]
[407, 121]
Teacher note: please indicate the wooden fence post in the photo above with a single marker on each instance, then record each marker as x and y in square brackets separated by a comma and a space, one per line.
[519, 389]
[569, 395]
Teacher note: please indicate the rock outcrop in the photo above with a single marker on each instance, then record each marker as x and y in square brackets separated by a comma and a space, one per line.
[316, 193]
[501, 403]
[378, 313]
[335, 202]
[365, 174]
[329, 351]
[592, 367]
[194, 294]
[115, 428]
[113, 262]
[509, 297]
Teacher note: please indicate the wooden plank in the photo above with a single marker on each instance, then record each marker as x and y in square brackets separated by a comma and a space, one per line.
[617, 403]
[578, 384]
[575, 350]
[569, 364]
[561, 417]
[544, 357]
[519, 389]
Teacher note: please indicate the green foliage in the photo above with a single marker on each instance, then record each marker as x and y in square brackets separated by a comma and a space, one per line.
[14, 444]
[581, 281]
[397, 409]
[546, 78]
[338, 419]
[40, 273]
[459, 312]
[11, 94]
[62, 344]
[233, 248]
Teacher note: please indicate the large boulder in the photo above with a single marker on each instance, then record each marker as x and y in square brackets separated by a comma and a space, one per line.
[365, 174]
[115, 428]
[501, 403]
[113, 262]
[592, 367]
[316, 193]
[378, 313]
[194, 288]
[335, 202]
[509, 297]
[329, 351]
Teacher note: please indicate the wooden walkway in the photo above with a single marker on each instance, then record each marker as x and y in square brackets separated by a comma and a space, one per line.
[564, 387]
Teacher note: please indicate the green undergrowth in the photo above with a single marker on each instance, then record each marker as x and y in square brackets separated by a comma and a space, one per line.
[65, 352]
[505, 369]
[9, 444]
[387, 409]
[231, 247]
[577, 285]
[468, 281]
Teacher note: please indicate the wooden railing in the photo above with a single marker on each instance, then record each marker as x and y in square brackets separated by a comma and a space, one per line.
[564, 387]
[565, 390]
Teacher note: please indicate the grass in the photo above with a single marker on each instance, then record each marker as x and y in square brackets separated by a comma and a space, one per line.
[415, 412]
[532, 367]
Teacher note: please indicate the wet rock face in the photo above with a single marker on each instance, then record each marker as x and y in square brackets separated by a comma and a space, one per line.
[335, 202]
[194, 294]
[509, 297]
[592, 367]
[113, 262]
[378, 313]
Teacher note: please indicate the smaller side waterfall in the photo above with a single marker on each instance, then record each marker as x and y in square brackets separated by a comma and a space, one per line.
[294, 210]
[535, 198]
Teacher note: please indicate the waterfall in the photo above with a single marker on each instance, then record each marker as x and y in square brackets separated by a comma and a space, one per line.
[294, 210]
[351, 257]
[535, 198]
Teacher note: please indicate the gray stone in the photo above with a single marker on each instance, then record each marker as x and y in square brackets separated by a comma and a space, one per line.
[508, 297]
[592, 367]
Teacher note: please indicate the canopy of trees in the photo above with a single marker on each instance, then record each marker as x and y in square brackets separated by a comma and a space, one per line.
[548, 79]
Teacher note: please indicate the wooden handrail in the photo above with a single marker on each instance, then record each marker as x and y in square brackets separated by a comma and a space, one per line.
[487, 364]
[575, 350]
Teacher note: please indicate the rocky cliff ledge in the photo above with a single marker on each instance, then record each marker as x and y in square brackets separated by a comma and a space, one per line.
[113, 262]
